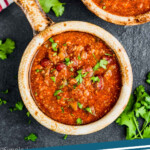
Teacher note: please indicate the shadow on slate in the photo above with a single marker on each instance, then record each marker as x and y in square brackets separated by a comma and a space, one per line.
[14, 125]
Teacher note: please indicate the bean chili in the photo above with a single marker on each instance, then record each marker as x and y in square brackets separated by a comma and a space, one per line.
[78, 79]
[124, 7]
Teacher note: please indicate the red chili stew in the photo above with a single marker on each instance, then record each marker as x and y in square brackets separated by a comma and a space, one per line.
[124, 7]
[75, 78]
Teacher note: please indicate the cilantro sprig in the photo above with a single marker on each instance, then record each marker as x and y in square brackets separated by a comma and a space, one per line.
[102, 64]
[6, 48]
[55, 5]
[54, 45]
[31, 137]
[138, 107]
[2, 102]
[18, 106]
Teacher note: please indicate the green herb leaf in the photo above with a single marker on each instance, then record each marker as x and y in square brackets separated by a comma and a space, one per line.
[68, 62]
[148, 78]
[53, 79]
[88, 109]
[62, 109]
[28, 114]
[5, 92]
[95, 79]
[2, 102]
[55, 5]
[71, 69]
[58, 97]
[58, 92]
[31, 137]
[65, 44]
[103, 63]
[146, 133]
[54, 45]
[19, 106]
[80, 105]
[65, 137]
[54, 54]
[6, 48]
[79, 121]
[51, 40]
[108, 54]
[79, 77]
[79, 57]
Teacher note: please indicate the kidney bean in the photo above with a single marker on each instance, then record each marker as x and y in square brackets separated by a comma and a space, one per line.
[45, 62]
[87, 48]
[60, 66]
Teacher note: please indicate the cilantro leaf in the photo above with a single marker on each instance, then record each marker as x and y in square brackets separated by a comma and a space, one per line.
[5, 92]
[146, 132]
[95, 79]
[65, 137]
[57, 92]
[80, 76]
[31, 137]
[55, 5]
[68, 62]
[53, 79]
[2, 102]
[88, 109]
[103, 63]
[80, 105]
[79, 121]
[148, 78]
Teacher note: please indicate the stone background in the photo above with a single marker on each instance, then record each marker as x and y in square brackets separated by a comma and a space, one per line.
[14, 125]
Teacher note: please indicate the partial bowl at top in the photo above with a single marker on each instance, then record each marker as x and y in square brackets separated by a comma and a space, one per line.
[122, 12]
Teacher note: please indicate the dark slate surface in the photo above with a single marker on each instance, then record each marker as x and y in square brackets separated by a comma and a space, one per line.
[14, 126]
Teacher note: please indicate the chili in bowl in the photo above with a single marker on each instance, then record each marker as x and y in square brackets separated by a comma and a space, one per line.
[74, 77]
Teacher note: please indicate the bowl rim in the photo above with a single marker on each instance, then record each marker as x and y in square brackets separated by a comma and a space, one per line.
[23, 77]
[116, 19]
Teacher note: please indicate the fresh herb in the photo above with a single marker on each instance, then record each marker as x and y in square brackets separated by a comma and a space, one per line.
[138, 107]
[36, 93]
[95, 79]
[104, 7]
[54, 45]
[2, 102]
[102, 64]
[68, 62]
[18, 106]
[51, 40]
[65, 44]
[58, 97]
[65, 137]
[80, 76]
[74, 86]
[53, 79]
[94, 56]
[28, 114]
[62, 109]
[148, 78]
[38, 70]
[5, 92]
[79, 121]
[54, 54]
[88, 109]
[108, 54]
[29, 122]
[71, 69]
[6, 48]
[61, 86]
[53, 70]
[79, 57]
[58, 92]
[31, 137]
[55, 5]
[80, 105]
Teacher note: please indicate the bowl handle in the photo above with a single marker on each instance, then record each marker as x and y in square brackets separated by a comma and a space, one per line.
[35, 15]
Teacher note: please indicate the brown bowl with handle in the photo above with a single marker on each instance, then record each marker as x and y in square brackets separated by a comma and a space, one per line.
[120, 12]
[44, 28]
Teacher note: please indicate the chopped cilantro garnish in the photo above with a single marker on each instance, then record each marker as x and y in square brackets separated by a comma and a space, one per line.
[54, 45]
[103, 63]
[71, 69]
[29, 122]
[6, 48]
[61, 86]
[88, 109]
[38, 70]
[67, 61]
[19, 106]
[5, 92]
[79, 57]
[65, 137]
[108, 54]
[51, 40]
[53, 79]
[65, 44]
[57, 92]
[2, 101]
[31, 137]
[74, 86]
[28, 114]
[80, 105]
[79, 77]
[94, 56]
[104, 7]
[58, 97]
[36, 93]
[95, 79]
[79, 121]
[55, 5]
[62, 109]
[53, 70]
[54, 54]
